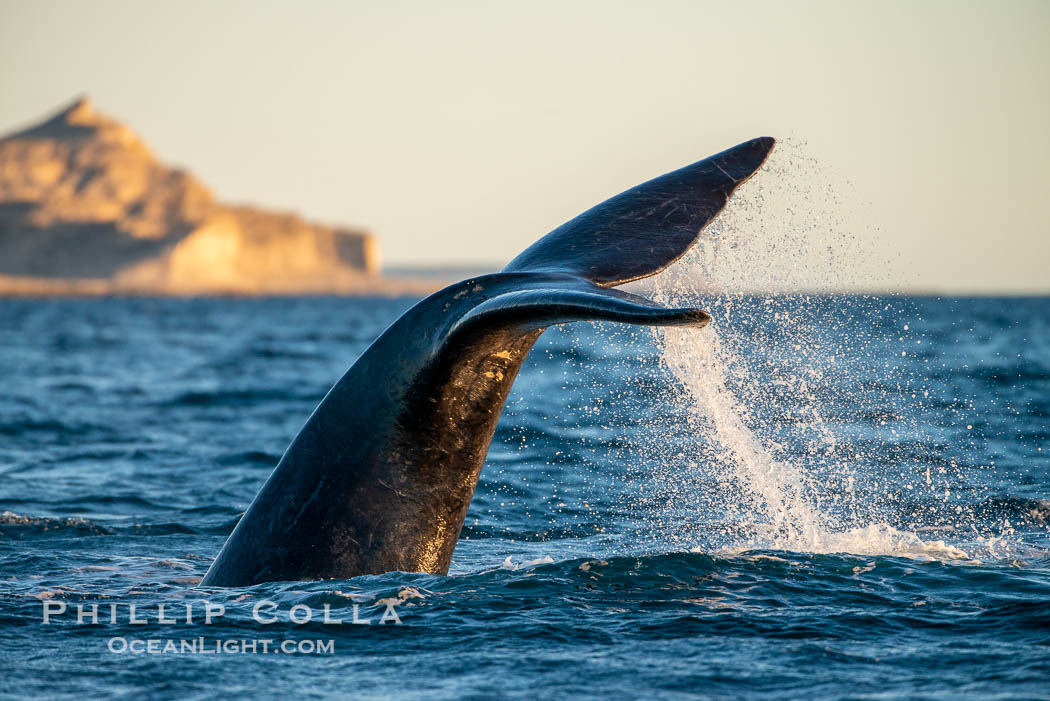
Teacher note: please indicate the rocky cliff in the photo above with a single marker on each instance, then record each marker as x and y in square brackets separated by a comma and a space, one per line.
[85, 207]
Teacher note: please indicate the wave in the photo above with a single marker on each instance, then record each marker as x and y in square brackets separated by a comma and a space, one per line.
[231, 397]
[14, 525]
[21, 527]
[1020, 510]
[891, 552]
[879, 539]
[256, 458]
[19, 427]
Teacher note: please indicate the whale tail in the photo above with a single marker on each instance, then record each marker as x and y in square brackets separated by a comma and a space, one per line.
[381, 476]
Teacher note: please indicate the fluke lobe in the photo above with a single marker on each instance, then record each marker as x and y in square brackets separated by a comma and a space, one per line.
[380, 477]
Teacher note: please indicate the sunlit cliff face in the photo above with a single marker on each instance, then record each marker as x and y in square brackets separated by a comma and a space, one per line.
[83, 198]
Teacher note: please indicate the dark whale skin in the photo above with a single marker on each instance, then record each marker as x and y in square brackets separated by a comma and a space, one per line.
[381, 476]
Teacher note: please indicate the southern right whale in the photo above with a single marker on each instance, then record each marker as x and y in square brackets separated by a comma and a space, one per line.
[380, 477]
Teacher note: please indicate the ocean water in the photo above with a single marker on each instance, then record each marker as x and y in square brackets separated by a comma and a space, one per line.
[819, 496]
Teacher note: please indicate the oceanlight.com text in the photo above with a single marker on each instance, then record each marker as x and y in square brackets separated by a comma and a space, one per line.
[215, 646]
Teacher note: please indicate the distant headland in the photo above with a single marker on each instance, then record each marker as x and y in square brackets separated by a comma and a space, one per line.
[87, 209]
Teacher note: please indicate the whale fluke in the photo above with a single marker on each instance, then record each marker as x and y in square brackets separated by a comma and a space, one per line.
[643, 230]
[381, 475]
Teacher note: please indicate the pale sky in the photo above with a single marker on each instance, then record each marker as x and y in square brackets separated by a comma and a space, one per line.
[461, 132]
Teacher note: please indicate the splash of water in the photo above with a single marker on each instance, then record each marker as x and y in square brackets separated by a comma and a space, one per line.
[758, 383]
[772, 488]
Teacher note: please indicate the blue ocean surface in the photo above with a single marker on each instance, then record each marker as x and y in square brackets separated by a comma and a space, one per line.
[813, 497]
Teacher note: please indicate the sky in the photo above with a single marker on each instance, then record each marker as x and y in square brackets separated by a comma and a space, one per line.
[460, 132]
